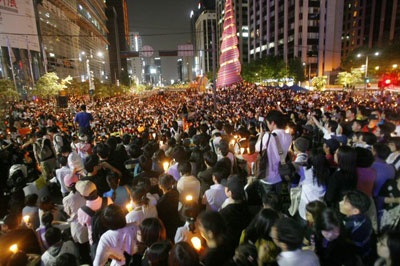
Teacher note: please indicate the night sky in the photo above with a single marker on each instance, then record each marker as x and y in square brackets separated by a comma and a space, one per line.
[152, 17]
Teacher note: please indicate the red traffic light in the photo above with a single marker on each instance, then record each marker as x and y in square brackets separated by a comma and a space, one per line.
[388, 81]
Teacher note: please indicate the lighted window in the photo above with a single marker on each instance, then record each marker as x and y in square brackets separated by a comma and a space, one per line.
[355, 14]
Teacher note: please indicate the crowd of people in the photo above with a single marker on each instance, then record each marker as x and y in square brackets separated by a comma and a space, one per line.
[260, 177]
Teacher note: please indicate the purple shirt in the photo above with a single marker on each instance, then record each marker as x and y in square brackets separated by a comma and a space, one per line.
[384, 172]
[83, 119]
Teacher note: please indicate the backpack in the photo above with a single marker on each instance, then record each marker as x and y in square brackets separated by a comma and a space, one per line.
[261, 165]
[397, 171]
[98, 227]
[43, 150]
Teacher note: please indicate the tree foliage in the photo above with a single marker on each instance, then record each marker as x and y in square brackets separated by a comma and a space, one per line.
[319, 82]
[349, 79]
[388, 56]
[7, 89]
[273, 67]
[49, 85]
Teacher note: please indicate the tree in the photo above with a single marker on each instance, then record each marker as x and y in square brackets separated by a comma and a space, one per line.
[50, 85]
[7, 89]
[319, 82]
[348, 80]
[296, 70]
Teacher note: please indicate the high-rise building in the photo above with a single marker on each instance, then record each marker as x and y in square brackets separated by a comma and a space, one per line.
[310, 30]
[121, 31]
[371, 23]
[136, 43]
[135, 63]
[241, 17]
[203, 57]
[74, 31]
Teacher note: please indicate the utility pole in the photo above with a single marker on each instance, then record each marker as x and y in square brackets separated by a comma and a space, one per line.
[214, 68]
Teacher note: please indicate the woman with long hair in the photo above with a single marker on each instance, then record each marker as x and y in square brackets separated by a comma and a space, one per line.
[344, 178]
[141, 208]
[331, 244]
[314, 178]
[388, 249]
[258, 234]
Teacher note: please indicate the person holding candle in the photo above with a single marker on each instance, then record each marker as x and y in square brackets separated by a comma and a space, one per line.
[213, 229]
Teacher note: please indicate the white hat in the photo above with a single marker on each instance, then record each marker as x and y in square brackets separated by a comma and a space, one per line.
[85, 188]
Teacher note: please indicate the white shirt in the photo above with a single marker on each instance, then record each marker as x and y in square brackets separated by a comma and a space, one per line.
[310, 191]
[184, 234]
[214, 197]
[60, 174]
[188, 185]
[298, 258]
[75, 162]
[72, 202]
[122, 240]
[85, 220]
[173, 171]
[285, 139]
[140, 213]
[392, 157]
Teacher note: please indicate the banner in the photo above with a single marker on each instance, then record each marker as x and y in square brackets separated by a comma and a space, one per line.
[17, 22]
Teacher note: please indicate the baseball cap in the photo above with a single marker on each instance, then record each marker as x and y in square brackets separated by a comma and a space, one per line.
[85, 188]
[70, 179]
[215, 131]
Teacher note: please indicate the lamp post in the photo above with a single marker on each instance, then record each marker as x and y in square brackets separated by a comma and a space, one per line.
[366, 66]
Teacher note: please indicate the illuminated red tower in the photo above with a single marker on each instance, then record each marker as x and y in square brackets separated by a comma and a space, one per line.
[229, 63]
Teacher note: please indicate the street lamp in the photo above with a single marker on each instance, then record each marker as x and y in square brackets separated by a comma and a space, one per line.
[366, 66]
[394, 66]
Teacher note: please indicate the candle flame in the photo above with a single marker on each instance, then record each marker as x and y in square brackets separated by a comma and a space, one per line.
[196, 242]
[14, 248]
[189, 198]
[26, 218]
[129, 207]
[165, 166]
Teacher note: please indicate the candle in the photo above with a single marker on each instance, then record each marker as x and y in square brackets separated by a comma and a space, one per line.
[161, 143]
[26, 219]
[232, 142]
[14, 248]
[154, 135]
[189, 198]
[196, 242]
[129, 206]
[248, 150]
[165, 166]
[241, 150]
[287, 130]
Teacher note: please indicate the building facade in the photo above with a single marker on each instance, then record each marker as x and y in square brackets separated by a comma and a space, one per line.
[117, 10]
[371, 23]
[241, 13]
[203, 57]
[135, 63]
[74, 32]
[308, 29]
